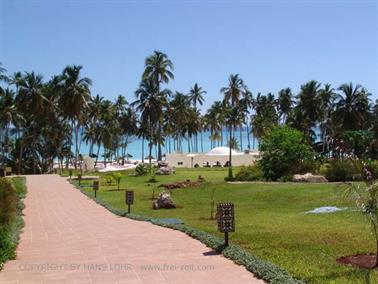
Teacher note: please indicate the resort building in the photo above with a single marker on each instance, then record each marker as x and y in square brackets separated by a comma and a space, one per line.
[217, 157]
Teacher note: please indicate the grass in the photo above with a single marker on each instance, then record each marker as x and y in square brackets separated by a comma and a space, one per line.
[270, 220]
[12, 191]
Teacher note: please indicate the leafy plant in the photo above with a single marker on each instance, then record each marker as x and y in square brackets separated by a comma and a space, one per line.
[140, 170]
[366, 198]
[109, 179]
[12, 191]
[283, 152]
[249, 173]
[117, 177]
[343, 170]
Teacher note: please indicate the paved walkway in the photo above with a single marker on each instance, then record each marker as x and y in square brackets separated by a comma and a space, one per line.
[68, 238]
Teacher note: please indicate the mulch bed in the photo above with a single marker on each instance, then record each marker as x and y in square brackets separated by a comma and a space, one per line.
[360, 260]
[183, 184]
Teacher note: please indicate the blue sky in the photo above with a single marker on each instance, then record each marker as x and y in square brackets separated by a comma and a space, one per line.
[271, 44]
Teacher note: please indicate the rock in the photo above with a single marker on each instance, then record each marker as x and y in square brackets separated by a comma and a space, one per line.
[309, 177]
[165, 171]
[164, 201]
[162, 164]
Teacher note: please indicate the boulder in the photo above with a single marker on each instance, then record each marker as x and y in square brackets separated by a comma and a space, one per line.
[309, 177]
[164, 201]
[165, 171]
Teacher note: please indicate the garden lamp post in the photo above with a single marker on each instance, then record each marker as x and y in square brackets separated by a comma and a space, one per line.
[129, 198]
[96, 186]
[226, 219]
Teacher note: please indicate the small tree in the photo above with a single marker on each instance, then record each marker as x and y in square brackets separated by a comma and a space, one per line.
[366, 198]
[284, 152]
[117, 177]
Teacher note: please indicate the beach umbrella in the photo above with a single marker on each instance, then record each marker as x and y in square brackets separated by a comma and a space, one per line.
[128, 155]
[148, 157]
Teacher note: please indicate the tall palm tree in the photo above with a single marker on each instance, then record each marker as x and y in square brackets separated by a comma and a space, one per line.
[284, 103]
[151, 103]
[158, 70]
[196, 96]
[9, 115]
[352, 107]
[327, 98]
[265, 116]
[309, 104]
[232, 95]
[31, 102]
[74, 100]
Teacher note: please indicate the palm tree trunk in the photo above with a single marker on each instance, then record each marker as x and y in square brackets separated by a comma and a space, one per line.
[248, 134]
[98, 152]
[159, 156]
[230, 156]
[20, 156]
[201, 141]
[143, 149]
[241, 137]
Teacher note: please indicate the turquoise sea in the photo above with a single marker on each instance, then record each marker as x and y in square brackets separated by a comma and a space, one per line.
[135, 147]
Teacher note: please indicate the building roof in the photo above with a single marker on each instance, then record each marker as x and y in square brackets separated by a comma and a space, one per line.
[221, 151]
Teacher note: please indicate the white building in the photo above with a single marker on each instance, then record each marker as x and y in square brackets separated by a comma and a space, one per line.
[215, 157]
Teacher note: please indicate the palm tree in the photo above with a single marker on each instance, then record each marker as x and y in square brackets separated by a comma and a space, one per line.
[158, 69]
[31, 102]
[265, 117]
[196, 96]
[151, 103]
[327, 98]
[74, 100]
[9, 115]
[232, 95]
[352, 107]
[3, 77]
[309, 104]
[284, 103]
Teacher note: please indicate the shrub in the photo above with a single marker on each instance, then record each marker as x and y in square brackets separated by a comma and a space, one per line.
[249, 173]
[140, 170]
[343, 170]
[373, 165]
[11, 193]
[109, 179]
[284, 152]
[286, 178]
[117, 177]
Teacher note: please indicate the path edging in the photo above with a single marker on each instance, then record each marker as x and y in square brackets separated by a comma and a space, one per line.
[260, 268]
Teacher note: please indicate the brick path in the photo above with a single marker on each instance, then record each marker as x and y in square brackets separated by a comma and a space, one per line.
[68, 238]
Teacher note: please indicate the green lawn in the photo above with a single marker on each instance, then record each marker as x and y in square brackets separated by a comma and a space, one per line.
[270, 220]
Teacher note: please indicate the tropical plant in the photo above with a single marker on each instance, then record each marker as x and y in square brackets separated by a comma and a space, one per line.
[366, 198]
[283, 152]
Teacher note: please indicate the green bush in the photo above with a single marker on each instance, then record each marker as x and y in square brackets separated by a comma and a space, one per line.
[109, 179]
[249, 173]
[286, 178]
[284, 152]
[373, 165]
[8, 201]
[343, 170]
[140, 170]
[11, 193]
[117, 177]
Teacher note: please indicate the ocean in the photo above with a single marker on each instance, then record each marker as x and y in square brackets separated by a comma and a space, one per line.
[135, 147]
